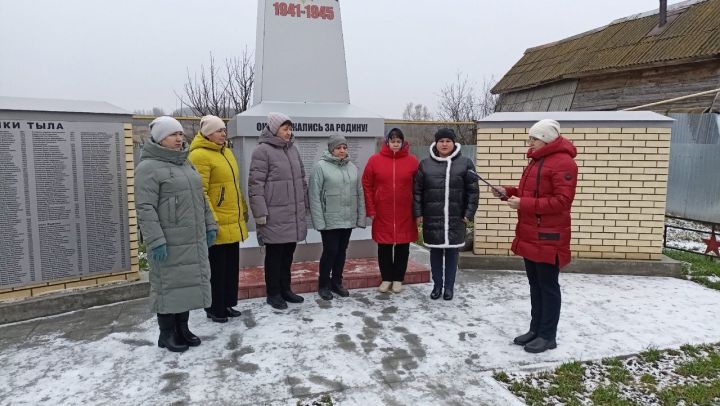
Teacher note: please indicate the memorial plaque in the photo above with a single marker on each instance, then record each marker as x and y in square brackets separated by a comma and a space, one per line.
[63, 200]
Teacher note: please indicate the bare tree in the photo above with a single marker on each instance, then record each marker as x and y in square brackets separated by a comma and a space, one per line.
[241, 78]
[222, 93]
[461, 102]
[417, 112]
[486, 100]
[155, 111]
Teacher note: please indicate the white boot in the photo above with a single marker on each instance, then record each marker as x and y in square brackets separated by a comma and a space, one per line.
[397, 287]
[384, 286]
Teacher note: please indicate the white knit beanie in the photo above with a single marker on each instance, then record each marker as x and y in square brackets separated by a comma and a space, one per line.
[545, 130]
[275, 120]
[163, 126]
[210, 124]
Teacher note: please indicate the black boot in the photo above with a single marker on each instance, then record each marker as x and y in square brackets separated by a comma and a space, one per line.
[291, 297]
[216, 319]
[233, 313]
[436, 293]
[277, 302]
[181, 325]
[339, 289]
[169, 337]
[325, 293]
[448, 295]
[539, 345]
[525, 338]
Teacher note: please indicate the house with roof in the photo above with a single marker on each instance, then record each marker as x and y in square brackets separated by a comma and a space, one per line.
[649, 57]
[665, 60]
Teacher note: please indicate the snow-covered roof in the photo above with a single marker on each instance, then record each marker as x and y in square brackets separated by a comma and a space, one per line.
[574, 117]
[59, 105]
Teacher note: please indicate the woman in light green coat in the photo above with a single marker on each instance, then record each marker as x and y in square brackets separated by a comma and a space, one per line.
[177, 226]
[337, 205]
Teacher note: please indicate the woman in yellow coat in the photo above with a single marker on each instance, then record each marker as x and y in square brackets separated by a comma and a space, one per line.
[221, 182]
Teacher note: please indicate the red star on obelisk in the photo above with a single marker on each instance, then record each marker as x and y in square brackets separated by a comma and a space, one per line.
[712, 243]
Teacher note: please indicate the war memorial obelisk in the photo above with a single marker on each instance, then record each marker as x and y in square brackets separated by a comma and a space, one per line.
[300, 71]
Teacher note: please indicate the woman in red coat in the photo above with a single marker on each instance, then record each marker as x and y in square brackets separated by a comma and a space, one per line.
[388, 185]
[542, 236]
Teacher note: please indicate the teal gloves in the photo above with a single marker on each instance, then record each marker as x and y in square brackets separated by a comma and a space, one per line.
[211, 235]
[159, 253]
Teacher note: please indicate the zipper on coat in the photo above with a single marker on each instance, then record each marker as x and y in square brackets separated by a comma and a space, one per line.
[192, 199]
[292, 181]
[394, 208]
[237, 190]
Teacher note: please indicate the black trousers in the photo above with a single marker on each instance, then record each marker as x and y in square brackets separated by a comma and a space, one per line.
[224, 273]
[278, 259]
[393, 260]
[332, 260]
[544, 297]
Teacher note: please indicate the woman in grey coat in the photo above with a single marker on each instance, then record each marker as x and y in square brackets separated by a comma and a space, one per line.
[278, 200]
[337, 205]
[177, 226]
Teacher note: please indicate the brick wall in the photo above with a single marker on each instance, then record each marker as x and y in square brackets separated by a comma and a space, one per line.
[40, 288]
[619, 206]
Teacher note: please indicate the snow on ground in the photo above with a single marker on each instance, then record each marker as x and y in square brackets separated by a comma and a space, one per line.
[370, 348]
[684, 239]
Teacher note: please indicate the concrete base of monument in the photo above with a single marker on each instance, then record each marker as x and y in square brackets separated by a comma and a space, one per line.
[664, 267]
[361, 246]
[358, 273]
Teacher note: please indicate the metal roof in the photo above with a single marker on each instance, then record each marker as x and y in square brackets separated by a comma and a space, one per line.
[59, 105]
[692, 33]
[580, 116]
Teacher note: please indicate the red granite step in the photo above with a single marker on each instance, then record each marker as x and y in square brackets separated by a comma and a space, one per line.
[358, 273]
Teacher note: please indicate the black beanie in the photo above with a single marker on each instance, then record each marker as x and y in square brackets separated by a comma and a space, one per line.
[445, 133]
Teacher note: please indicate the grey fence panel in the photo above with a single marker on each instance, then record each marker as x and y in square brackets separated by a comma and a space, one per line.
[694, 182]
[693, 190]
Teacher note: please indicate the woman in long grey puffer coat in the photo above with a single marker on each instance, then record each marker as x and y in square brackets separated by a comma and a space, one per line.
[278, 200]
[177, 226]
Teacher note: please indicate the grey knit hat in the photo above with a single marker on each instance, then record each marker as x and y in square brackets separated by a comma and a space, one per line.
[335, 140]
[163, 126]
[276, 120]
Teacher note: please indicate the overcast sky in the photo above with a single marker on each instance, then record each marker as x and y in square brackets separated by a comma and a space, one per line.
[135, 54]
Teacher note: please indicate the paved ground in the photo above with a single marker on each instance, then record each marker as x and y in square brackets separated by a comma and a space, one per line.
[369, 349]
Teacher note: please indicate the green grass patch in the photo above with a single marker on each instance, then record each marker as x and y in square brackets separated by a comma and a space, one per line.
[698, 267]
[648, 379]
[690, 350]
[567, 380]
[707, 367]
[610, 396]
[651, 355]
[501, 376]
[612, 362]
[618, 374]
[533, 396]
[700, 394]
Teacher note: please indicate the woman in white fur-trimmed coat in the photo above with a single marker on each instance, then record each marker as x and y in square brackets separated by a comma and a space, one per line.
[445, 199]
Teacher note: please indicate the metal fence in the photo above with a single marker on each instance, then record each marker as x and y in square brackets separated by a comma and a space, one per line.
[694, 169]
